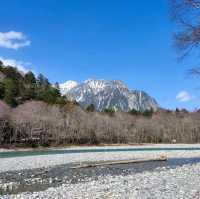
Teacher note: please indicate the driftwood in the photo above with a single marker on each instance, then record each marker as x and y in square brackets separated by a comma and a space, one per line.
[161, 158]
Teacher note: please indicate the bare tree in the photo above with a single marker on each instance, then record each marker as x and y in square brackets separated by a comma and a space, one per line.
[36, 123]
[186, 14]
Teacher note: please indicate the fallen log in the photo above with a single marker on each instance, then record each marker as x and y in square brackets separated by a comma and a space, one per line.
[106, 163]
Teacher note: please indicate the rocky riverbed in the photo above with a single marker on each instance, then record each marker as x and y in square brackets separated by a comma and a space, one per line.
[179, 177]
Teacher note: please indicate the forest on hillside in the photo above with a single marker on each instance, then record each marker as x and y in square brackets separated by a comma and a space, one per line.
[16, 87]
[33, 113]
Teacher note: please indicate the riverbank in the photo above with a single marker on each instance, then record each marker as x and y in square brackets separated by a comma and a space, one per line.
[163, 182]
[80, 155]
[51, 176]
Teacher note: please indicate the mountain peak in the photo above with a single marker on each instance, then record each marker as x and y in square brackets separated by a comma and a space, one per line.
[108, 94]
[66, 86]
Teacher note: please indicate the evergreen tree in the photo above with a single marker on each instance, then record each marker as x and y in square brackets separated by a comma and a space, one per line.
[57, 86]
[29, 93]
[1, 63]
[50, 95]
[134, 112]
[29, 78]
[148, 112]
[90, 108]
[42, 81]
[2, 90]
[10, 92]
[30, 86]
[109, 111]
[12, 73]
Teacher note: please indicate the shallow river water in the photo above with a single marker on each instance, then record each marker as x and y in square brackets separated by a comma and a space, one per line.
[10, 154]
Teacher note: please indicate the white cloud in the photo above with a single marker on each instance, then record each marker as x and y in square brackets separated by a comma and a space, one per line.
[20, 65]
[13, 40]
[184, 96]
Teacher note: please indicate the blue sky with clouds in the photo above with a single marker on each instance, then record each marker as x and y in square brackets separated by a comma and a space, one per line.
[76, 40]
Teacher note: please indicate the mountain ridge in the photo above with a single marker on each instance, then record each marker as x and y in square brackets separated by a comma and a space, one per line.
[108, 94]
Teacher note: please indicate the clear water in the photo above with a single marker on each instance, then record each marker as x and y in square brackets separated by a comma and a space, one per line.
[70, 151]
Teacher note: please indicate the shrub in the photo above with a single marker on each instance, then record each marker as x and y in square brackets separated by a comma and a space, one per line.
[90, 108]
[109, 111]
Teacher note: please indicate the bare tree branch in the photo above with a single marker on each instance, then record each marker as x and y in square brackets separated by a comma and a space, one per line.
[186, 14]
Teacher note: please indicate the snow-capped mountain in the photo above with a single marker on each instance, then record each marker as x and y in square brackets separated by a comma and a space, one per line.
[68, 85]
[107, 94]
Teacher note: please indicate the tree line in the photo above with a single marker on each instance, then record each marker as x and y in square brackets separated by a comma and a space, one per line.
[37, 123]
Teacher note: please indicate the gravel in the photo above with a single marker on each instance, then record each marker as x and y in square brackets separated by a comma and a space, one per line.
[164, 182]
[32, 162]
[131, 146]
[181, 183]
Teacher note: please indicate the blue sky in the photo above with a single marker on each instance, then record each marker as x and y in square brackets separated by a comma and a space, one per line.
[76, 40]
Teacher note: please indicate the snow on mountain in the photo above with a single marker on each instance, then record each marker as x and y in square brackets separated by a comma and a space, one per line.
[68, 85]
[96, 85]
[107, 94]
